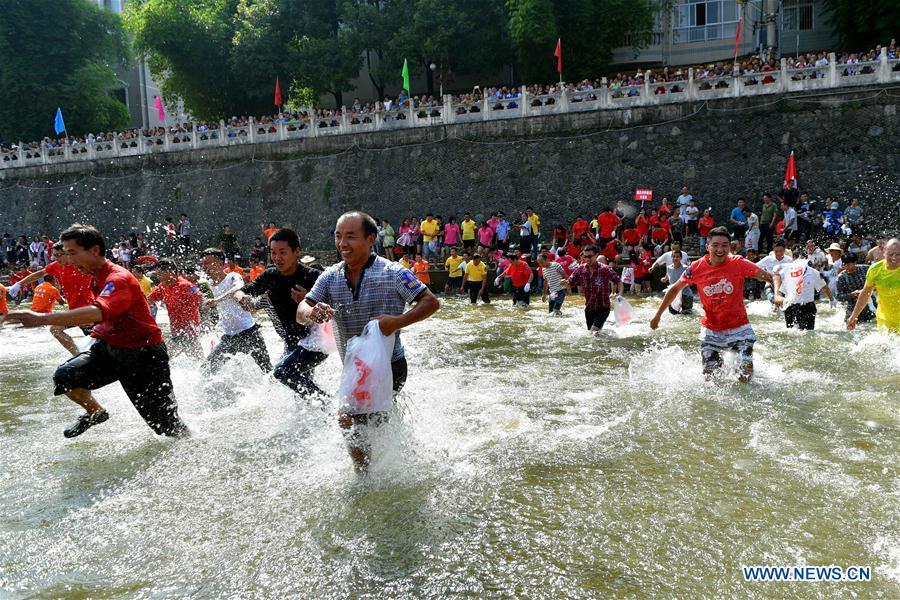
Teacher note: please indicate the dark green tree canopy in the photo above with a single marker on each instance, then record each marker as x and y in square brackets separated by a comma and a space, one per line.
[222, 56]
[861, 24]
[59, 53]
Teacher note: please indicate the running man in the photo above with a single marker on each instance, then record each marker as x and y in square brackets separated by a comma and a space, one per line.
[595, 282]
[796, 284]
[76, 288]
[475, 280]
[719, 278]
[553, 275]
[882, 277]
[285, 284]
[240, 333]
[674, 270]
[182, 299]
[45, 296]
[129, 347]
[360, 288]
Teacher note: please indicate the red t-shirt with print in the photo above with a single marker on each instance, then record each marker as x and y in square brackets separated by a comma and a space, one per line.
[721, 290]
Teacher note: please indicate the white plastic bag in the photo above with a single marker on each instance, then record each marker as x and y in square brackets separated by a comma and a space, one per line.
[623, 311]
[367, 382]
[320, 339]
[627, 276]
[676, 303]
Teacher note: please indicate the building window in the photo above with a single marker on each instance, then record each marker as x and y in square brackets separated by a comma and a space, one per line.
[798, 15]
[702, 20]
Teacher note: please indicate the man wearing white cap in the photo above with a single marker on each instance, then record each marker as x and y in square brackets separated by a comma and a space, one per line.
[835, 265]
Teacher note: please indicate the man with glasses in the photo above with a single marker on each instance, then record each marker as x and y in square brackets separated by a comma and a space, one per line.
[595, 281]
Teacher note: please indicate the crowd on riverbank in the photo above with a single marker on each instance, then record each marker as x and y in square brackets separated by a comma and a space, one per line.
[756, 69]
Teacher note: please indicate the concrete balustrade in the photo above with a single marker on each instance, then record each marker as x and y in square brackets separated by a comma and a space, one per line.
[525, 105]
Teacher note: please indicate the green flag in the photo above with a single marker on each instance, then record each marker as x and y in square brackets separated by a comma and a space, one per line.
[406, 77]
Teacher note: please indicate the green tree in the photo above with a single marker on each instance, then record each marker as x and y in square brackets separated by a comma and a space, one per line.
[59, 53]
[222, 56]
[589, 30]
[861, 24]
[188, 48]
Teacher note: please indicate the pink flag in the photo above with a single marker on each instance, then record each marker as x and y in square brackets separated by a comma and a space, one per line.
[160, 111]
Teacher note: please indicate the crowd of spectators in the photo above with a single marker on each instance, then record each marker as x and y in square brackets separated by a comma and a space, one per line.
[665, 81]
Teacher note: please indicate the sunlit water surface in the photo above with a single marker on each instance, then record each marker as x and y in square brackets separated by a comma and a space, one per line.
[525, 459]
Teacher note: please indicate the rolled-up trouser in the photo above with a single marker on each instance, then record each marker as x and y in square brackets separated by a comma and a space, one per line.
[713, 343]
[143, 373]
[295, 369]
[556, 303]
[249, 341]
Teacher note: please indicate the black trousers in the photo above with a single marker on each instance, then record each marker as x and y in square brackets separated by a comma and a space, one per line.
[143, 373]
[596, 318]
[474, 288]
[249, 341]
[803, 314]
[296, 367]
[520, 295]
[766, 238]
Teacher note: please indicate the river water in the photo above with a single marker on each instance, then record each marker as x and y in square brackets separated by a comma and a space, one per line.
[526, 459]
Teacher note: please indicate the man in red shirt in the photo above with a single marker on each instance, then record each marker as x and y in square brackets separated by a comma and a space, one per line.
[76, 288]
[611, 251]
[182, 299]
[579, 227]
[607, 223]
[129, 346]
[520, 276]
[719, 278]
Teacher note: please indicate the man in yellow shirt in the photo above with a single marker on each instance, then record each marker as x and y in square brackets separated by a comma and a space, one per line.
[468, 227]
[146, 285]
[535, 231]
[455, 272]
[882, 277]
[430, 229]
[475, 280]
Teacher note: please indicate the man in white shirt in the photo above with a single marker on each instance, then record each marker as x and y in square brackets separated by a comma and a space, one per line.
[240, 333]
[796, 284]
[682, 202]
[769, 263]
[790, 224]
[666, 257]
[815, 257]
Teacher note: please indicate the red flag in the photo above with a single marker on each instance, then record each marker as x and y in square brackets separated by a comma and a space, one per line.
[558, 55]
[737, 39]
[160, 111]
[277, 93]
[790, 174]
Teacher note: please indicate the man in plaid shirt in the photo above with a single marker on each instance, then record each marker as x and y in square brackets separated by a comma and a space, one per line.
[363, 287]
[595, 280]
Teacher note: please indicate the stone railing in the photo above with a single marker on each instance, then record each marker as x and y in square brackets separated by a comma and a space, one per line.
[606, 97]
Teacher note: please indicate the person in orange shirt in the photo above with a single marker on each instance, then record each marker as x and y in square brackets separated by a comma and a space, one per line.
[45, 296]
[233, 267]
[269, 231]
[256, 268]
[420, 268]
[3, 306]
